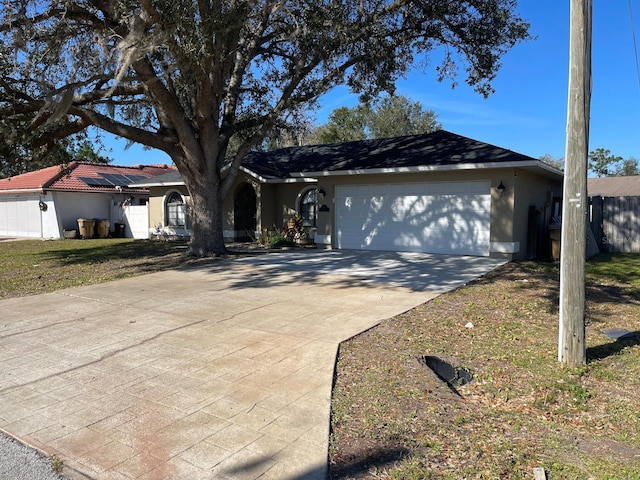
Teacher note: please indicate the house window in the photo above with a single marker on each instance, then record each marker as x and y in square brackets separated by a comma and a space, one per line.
[175, 211]
[308, 205]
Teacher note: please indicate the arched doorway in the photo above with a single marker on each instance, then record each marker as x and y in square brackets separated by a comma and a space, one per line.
[244, 213]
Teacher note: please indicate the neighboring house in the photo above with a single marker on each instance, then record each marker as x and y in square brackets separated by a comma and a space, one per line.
[47, 202]
[615, 213]
[438, 193]
[614, 186]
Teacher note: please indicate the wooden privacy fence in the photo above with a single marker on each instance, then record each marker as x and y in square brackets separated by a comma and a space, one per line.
[615, 223]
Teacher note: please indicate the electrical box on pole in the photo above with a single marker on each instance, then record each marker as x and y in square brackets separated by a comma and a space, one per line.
[571, 341]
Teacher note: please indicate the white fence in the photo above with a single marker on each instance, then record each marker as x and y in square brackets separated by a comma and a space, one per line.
[136, 219]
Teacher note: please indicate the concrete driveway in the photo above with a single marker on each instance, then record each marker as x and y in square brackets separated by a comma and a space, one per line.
[222, 371]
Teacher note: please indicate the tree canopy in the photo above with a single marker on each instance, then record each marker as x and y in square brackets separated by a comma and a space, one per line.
[628, 167]
[557, 162]
[389, 116]
[604, 164]
[186, 76]
[15, 160]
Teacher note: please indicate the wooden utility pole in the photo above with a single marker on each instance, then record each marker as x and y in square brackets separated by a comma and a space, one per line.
[575, 203]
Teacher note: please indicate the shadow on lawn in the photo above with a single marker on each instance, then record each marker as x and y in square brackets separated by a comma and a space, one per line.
[359, 466]
[145, 256]
[613, 348]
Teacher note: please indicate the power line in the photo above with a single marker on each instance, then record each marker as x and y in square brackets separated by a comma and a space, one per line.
[635, 44]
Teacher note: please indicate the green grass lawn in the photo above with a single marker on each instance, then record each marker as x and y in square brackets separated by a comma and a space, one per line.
[35, 266]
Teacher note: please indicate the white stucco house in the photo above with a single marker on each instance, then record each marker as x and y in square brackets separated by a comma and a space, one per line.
[47, 203]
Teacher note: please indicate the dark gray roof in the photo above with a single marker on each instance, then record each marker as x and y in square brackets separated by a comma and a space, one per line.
[439, 148]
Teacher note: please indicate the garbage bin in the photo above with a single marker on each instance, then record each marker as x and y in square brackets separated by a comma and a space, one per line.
[119, 230]
[102, 228]
[85, 226]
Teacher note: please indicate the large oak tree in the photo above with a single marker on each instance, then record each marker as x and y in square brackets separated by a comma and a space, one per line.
[187, 76]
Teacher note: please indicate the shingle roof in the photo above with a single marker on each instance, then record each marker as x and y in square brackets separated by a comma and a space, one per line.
[439, 148]
[614, 186]
[430, 150]
[82, 177]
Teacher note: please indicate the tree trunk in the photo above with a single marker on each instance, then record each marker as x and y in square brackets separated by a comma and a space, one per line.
[206, 211]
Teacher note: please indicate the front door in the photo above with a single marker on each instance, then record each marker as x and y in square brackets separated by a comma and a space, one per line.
[244, 213]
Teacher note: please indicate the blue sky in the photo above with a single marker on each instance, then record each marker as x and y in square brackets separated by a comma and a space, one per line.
[527, 114]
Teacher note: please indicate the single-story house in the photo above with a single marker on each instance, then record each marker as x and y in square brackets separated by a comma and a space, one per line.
[47, 203]
[438, 192]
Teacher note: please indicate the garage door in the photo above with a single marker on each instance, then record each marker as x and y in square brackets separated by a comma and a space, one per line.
[20, 216]
[444, 217]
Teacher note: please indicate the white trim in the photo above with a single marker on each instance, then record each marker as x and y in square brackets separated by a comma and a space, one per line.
[309, 177]
[17, 191]
[434, 168]
[166, 195]
[292, 180]
[300, 196]
[504, 247]
[139, 185]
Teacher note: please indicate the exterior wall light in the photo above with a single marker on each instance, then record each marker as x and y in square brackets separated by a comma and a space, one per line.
[501, 188]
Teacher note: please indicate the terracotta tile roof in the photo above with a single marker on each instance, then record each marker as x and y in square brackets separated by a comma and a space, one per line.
[83, 177]
[30, 181]
[614, 186]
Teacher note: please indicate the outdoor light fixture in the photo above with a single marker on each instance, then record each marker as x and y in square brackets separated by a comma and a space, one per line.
[321, 193]
[501, 188]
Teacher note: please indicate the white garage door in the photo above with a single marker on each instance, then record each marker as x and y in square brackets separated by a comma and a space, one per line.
[446, 217]
[20, 216]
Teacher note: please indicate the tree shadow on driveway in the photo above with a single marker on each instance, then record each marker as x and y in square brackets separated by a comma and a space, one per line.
[415, 271]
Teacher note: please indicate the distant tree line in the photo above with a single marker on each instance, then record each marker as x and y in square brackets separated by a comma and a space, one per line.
[383, 117]
[602, 163]
[389, 116]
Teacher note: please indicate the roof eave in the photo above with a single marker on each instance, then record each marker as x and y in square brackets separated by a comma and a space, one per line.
[22, 190]
[104, 190]
[173, 183]
[533, 164]
[304, 179]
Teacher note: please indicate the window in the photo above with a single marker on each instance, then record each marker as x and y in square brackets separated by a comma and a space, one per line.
[175, 211]
[308, 205]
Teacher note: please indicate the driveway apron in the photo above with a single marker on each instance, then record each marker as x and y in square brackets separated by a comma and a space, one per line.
[222, 371]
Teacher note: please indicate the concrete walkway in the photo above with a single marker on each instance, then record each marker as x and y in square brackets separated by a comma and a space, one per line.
[223, 371]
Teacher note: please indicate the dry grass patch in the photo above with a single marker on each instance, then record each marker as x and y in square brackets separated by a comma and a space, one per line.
[394, 418]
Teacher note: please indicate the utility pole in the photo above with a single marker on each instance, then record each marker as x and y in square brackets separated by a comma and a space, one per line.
[571, 342]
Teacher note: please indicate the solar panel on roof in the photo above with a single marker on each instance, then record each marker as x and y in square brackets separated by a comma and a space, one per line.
[134, 178]
[116, 179]
[96, 182]
[110, 180]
